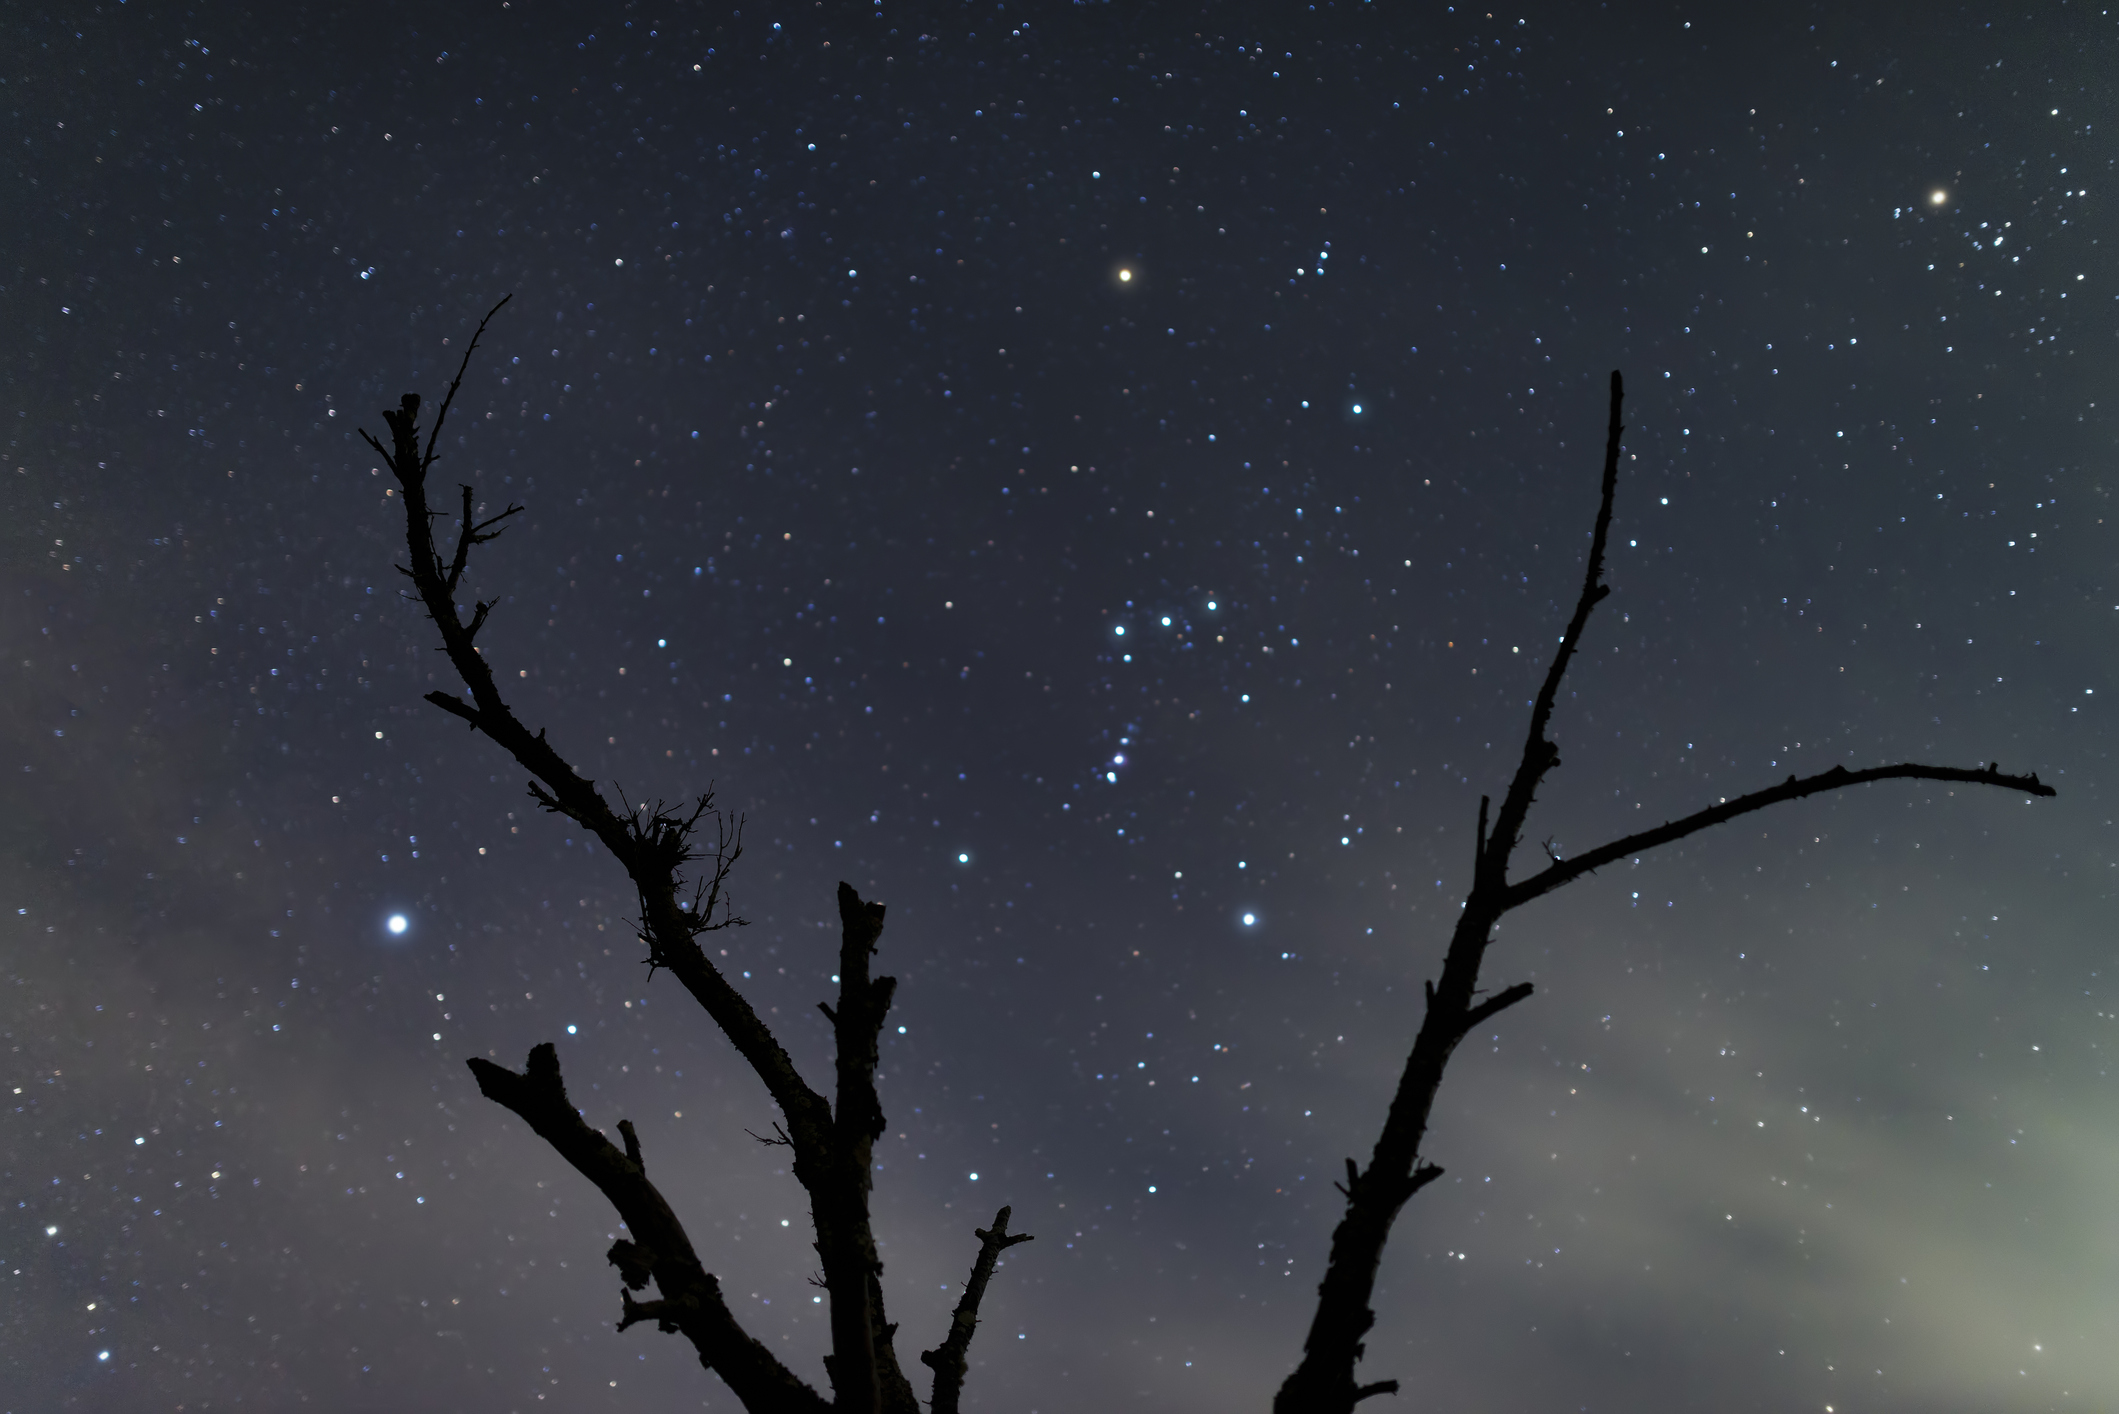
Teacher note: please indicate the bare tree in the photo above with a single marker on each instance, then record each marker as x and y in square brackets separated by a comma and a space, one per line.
[658, 845]
[832, 1140]
[1325, 1382]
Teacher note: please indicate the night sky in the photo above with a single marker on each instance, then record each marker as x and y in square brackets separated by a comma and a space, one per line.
[1105, 481]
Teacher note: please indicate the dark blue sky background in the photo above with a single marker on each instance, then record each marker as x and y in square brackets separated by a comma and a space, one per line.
[1089, 476]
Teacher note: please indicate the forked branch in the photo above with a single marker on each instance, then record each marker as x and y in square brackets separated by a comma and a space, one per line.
[947, 1359]
[658, 845]
[1323, 1382]
[652, 848]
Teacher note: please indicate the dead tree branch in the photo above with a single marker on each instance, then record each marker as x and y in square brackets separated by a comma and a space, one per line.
[658, 1250]
[947, 1359]
[658, 846]
[838, 1178]
[1794, 788]
[1324, 1383]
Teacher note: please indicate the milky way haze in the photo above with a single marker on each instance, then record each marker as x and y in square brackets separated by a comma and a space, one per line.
[1106, 482]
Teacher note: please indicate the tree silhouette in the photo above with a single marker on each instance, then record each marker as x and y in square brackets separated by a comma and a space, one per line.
[680, 878]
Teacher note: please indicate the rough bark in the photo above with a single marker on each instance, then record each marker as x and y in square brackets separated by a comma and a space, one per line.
[657, 844]
[1324, 1382]
[947, 1359]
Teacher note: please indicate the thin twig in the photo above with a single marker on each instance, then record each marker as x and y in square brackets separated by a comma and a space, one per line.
[449, 397]
[1794, 788]
[1539, 754]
